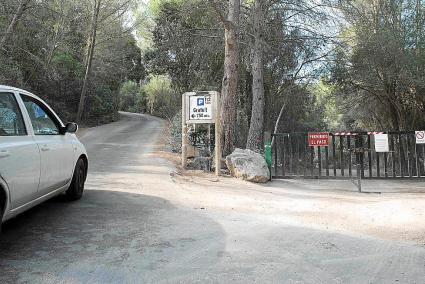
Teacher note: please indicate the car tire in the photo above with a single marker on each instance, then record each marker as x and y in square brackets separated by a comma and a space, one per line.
[76, 189]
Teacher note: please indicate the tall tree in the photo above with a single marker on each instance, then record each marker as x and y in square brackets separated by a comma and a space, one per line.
[230, 78]
[187, 41]
[380, 74]
[47, 53]
[90, 54]
[23, 4]
[256, 129]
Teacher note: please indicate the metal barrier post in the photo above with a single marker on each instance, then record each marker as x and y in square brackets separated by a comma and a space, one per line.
[359, 172]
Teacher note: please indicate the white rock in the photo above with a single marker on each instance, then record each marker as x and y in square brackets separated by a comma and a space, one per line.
[248, 165]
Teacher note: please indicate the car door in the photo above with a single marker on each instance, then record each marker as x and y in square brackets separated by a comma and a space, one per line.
[56, 150]
[19, 153]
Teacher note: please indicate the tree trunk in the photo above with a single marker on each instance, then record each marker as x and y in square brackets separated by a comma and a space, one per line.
[256, 128]
[276, 126]
[395, 119]
[90, 55]
[230, 79]
[11, 28]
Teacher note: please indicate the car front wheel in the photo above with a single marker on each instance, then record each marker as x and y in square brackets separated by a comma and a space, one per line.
[75, 190]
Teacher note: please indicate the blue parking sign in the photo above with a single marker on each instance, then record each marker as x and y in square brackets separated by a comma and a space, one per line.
[201, 101]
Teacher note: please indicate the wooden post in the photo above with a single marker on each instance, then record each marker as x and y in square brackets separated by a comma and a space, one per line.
[217, 136]
[184, 133]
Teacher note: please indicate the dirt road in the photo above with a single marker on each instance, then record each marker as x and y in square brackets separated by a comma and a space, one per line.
[142, 222]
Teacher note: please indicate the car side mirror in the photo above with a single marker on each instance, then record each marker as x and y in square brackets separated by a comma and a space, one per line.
[70, 127]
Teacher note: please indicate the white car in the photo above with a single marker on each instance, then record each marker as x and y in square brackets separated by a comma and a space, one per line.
[40, 157]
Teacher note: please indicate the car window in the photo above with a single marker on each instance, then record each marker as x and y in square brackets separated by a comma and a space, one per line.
[11, 121]
[42, 121]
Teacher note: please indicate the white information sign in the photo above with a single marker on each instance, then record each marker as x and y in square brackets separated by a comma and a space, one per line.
[200, 107]
[420, 137]
[381, 143]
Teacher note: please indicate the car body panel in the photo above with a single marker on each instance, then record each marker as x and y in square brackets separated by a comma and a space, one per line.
[22, 172]
[46, 172]
[55, 172]
[10, 213]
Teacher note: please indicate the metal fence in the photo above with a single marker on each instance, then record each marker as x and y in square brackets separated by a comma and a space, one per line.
[346, 155]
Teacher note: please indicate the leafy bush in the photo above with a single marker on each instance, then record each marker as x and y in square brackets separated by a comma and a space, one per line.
[102, 106]
[132, 97]
[10, 72]
[162, 100]
[176, 133]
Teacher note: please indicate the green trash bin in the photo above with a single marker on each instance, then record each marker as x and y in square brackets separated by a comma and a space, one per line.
[268, 155]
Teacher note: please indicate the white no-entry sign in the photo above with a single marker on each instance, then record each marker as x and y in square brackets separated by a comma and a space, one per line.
[420, 137]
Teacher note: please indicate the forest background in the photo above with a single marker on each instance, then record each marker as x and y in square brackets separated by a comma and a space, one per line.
[281, 65]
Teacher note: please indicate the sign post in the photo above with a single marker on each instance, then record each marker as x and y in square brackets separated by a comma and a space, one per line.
[217, 136]
[201, 108]
[184, 133]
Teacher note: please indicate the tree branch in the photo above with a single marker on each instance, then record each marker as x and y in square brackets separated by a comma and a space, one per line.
[221, 17]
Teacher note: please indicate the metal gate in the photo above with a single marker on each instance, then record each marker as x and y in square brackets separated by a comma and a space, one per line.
[346, 155]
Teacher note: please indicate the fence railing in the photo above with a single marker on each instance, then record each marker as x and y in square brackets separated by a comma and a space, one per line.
[346, 154]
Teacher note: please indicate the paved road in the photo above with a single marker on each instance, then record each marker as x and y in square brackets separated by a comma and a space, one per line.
[136, 224]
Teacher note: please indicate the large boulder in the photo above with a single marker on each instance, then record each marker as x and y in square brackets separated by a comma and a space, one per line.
[248, 165]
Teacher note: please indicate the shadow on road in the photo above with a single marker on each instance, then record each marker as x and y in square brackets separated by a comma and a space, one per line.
[116, 237]
[347, 186]
[112, 236]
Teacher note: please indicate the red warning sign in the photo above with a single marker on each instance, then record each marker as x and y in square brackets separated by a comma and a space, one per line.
[318, 139]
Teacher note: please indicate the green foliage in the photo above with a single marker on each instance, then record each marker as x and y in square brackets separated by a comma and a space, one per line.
[180, 50]
[332, 114]
[103, 105]
[46, 54]
[10, 72]
[176, 133]
[132, 97]
[68, 65]
[379, 75]
[376, 79]
[302, 112]
[156, 6]
[161, 99]
[187, 45]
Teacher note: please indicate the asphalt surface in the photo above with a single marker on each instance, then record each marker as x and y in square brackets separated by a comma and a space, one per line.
[135, 224]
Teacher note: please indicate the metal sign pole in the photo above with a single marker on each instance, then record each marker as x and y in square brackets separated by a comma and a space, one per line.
[200, 108]
[217, 135]
[184, 133]
[358, 152]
